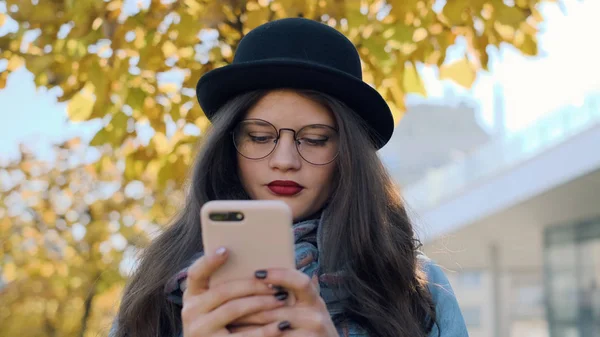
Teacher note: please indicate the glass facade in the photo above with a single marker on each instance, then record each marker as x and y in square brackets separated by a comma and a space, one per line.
[572, 279]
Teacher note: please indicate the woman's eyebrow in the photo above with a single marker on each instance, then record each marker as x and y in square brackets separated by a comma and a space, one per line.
[320, 125]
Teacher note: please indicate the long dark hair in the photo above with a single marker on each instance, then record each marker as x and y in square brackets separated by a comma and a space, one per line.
[368, 234]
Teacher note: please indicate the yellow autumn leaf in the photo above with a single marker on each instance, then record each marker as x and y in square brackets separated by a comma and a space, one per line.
[506, 32]
[193, 7]
[114, 5]
[412, 82]
[161, 143]
[5, 223]
[167, 88]
[3, 79]
[186, 52]
[14, 63]
[529, 45]
[101, 138]
[509, 15]
[453, 11]
[462, 72]
[169, 49]
[62, 270]
[9, 272]
[49, 216]
[252, 5]
[202, 123]
[81, 105]
[134, 168]
[420, 34]
[47, 269]
[257, 17]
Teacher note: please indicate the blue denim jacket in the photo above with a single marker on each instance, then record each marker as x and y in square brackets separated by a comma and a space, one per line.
[449, 317]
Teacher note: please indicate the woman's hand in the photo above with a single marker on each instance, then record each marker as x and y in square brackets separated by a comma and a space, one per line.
[208, 312]
[308, 317]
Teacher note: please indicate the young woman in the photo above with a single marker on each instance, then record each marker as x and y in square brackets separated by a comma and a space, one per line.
[292, 120]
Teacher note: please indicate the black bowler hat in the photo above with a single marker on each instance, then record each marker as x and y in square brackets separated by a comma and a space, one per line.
[298, 53]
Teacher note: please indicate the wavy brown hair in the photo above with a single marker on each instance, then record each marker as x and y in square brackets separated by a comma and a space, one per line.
[368, 234]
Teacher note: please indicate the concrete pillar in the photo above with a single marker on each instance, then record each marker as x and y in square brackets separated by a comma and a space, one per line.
[496, 283]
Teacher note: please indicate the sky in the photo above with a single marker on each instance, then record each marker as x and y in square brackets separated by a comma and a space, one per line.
[563, 74]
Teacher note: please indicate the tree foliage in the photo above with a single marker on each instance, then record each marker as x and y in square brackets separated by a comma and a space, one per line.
[67, 225]
[134, 68]
[69, 234]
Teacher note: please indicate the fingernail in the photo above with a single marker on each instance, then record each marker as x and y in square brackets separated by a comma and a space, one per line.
[282, 295]
[221, 251]
[284, 325]
[277, 289]
[260, 274]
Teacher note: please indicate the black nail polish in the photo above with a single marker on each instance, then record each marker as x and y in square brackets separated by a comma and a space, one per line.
[277, 289]
[284, 326]
[282, 295]
[260, 274]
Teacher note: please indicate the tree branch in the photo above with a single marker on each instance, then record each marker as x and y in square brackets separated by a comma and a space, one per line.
[88, 306]
[49, 327]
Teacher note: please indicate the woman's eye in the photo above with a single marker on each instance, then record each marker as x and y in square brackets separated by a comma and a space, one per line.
[314, 141]
[260, 139]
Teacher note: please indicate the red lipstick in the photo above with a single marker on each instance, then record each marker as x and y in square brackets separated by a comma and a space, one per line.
[285, 187]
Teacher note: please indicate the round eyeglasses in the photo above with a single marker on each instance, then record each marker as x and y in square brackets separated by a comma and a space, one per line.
[257, 139]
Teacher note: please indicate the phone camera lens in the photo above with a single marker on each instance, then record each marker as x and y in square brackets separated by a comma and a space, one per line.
[229, 216]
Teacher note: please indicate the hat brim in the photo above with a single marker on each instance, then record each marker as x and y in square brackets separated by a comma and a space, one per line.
[218, 86]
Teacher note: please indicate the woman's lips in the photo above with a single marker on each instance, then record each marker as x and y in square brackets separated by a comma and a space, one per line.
[285, 187]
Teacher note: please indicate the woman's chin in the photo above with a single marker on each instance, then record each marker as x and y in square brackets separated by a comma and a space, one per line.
[297, 204]
[293, 203]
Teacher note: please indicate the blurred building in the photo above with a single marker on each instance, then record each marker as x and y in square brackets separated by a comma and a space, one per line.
[431, 135]
[513, 218]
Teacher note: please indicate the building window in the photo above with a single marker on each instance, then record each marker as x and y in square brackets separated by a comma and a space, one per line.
[572, 269]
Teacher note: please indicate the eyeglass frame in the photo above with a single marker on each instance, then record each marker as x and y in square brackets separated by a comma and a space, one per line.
[296, 141]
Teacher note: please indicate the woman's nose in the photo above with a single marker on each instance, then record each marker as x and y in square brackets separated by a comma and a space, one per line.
[285, 156]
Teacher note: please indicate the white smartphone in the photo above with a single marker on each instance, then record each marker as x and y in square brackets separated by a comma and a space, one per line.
[258, 234]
